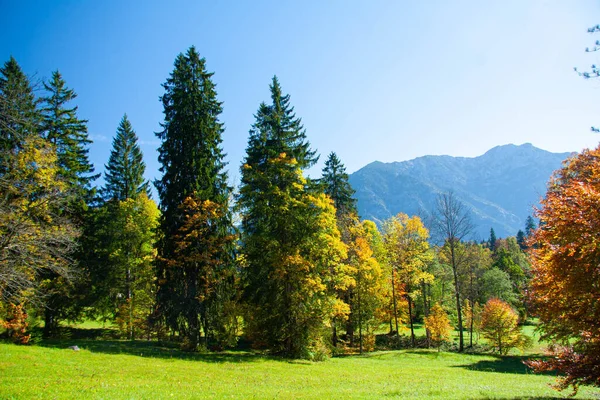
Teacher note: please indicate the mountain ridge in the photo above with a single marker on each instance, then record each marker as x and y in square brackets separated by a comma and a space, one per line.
[500, 187]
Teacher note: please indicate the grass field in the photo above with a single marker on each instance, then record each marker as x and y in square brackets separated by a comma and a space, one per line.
[114, 369]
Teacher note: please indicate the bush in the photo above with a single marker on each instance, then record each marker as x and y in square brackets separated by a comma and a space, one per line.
[16, 324]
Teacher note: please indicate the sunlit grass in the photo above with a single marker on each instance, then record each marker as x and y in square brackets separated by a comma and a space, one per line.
[113, 369]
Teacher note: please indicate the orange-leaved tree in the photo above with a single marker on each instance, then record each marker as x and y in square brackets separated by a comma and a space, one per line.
[499, 324]
[564, 291]
[438, 324]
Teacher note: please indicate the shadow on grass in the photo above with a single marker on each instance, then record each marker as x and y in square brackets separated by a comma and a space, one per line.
[105, 341]
[504, 364]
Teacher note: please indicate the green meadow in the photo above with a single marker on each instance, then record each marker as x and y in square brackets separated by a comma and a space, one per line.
[108, 368]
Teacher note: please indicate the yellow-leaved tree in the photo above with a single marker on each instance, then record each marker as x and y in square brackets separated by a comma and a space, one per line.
[408, 254]
[438, 325]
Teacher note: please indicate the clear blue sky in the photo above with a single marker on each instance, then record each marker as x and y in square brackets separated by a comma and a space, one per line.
[372, 80]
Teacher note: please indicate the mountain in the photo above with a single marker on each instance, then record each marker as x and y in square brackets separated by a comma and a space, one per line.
[500, 187]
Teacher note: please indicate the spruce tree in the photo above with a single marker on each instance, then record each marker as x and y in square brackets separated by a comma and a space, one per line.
[69, 135]
[334, 183]
[529, 226]
[19, 114]
[290, 242]
[193, 171]
[336, 186]
[492, 240]
[124, 174]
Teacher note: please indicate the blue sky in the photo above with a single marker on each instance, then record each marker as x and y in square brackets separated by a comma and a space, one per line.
[371, 80]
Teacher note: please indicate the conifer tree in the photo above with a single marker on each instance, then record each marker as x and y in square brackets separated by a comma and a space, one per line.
[492, 240]
[69, 135]
[192, 167]
[124, 174]
[19, 115]
[335, 185]
[290, 241]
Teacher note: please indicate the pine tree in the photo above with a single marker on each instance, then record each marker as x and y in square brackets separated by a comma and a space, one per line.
[19, 115]
[69, 135]
[290, 241]
[124, 174]
[192, 166]
[521, 240]
[336, 186]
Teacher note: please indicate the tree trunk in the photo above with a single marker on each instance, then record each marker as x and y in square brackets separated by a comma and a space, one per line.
[461, 345]
[410, 318]
[394, 300]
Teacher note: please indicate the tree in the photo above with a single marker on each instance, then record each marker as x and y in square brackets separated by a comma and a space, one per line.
[499, 324]
[192, 166]
[334, 183]
[128, 229]
[478, 260]
[35, 239]
[69, 136]
[492, 240]
[336, 186]
[367, 287]
[438, 324]
[124, 174]
[529, 226]
[452, 221]
[290, 242]
[19, 114]
[496, 283]
[408, 253]
[564, 289]
[521, 238]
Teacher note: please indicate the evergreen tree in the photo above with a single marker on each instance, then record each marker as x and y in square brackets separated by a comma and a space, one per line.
[69, 135]
[290, 241]
[124, 174]
[529, 225]
[192, 166]
[492, 240]
[19, 115]
[336, 186]
[521, 240]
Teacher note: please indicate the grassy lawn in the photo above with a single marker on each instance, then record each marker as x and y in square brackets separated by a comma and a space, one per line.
[114, 369]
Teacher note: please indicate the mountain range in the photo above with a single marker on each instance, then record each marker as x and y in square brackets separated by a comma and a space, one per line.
[500, 187]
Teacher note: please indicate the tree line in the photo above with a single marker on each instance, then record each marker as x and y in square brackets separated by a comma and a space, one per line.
[284, 260]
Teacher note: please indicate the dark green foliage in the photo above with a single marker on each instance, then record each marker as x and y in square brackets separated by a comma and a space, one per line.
[529, 226]
[521, 240]
[69, 135]
[278, 224]
[336, 186]
[19, 115]
[492, 240]
[124, 174]
[192, 166]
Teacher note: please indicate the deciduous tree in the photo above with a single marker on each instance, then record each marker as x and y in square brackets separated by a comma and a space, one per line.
[452, 222]
[564, 289]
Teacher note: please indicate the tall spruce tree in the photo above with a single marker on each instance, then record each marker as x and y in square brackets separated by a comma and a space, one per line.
[69, 135]
[19, 114]
[290, 241]
[124, 174]
[334, 182]
[193, 172]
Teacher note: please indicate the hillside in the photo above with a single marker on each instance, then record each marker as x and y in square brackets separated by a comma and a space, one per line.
[500, 187]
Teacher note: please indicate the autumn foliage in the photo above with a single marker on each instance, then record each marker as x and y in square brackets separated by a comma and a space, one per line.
[499, 324]
[16, 324]
[438, 324]
[565, 253]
